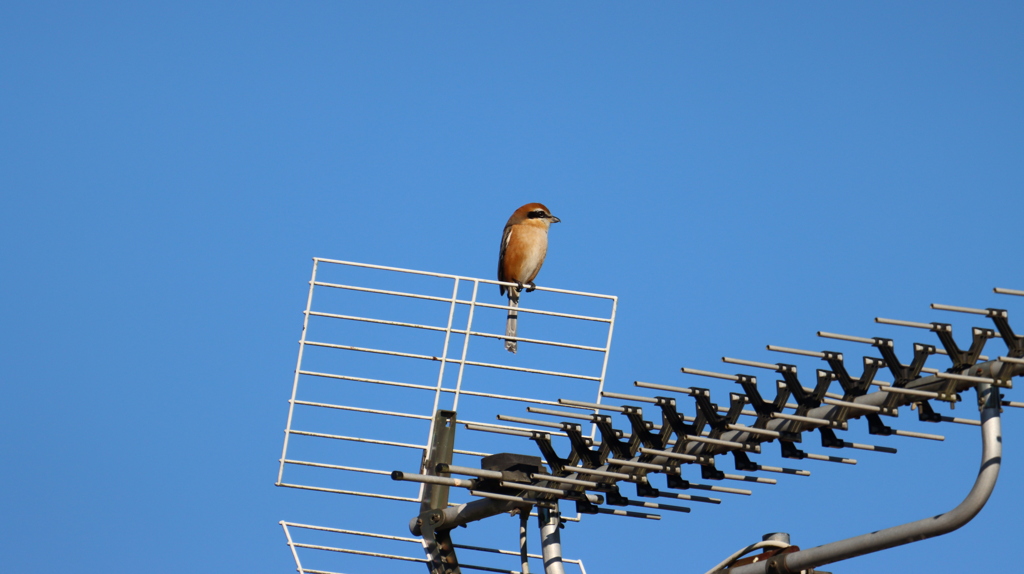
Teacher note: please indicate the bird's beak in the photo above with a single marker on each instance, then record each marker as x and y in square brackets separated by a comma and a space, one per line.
[555, 219]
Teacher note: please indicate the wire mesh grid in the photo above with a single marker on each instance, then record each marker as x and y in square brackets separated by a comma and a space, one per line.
[397, 551]
[383, 348]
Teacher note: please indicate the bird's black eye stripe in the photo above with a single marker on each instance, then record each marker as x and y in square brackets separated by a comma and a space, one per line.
[536, 213]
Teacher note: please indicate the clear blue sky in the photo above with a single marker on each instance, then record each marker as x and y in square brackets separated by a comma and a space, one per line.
[738, 174]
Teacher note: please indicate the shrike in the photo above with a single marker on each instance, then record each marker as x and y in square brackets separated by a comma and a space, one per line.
[524, 243]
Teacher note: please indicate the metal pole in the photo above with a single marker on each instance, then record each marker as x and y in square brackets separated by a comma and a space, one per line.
[524, 555]
[440, 374]
[291, 545]
[550, 541]
[604, 363]
[298, 369]
[437, 544]
[465, 346]
[991, 438]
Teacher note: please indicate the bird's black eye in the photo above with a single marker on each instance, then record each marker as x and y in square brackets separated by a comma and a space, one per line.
[537, 214]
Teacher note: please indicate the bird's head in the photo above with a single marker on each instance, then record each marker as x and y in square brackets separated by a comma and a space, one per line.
[535, 214]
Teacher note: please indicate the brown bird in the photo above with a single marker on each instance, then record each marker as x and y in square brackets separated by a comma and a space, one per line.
[524, 244]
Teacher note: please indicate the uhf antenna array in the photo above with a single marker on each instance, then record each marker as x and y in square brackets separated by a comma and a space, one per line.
[387, 357]
[640, 436]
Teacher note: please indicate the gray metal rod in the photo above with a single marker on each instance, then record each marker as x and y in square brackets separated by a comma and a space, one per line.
[550, 541]
[524, 521]
[455, 469]
[431, 479]
[991, 439]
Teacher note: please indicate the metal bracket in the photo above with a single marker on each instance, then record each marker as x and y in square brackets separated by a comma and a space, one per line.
[437, 544]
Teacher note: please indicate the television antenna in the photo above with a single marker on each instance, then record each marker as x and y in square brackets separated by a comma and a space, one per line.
[578, 455]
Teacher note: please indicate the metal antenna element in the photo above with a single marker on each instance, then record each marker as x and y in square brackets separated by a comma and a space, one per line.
[581, 450]
[390, 362]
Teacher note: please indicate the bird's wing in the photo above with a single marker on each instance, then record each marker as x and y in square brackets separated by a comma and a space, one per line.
[506, 236]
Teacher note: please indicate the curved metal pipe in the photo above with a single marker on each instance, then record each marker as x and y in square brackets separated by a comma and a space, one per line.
[991, 458]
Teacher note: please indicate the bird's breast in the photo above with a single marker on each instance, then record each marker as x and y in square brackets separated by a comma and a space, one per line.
[525, 253]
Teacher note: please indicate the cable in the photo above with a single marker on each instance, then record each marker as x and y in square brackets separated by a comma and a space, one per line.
[736, 555]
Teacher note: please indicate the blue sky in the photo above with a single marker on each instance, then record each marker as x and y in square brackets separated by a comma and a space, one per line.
[737, 174]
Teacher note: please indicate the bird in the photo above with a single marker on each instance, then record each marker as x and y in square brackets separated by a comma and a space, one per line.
[524, 244]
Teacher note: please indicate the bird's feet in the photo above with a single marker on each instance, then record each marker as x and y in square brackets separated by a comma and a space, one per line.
[531, 287]
[519, 286]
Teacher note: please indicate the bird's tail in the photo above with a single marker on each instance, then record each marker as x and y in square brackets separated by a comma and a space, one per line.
[513, 317]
